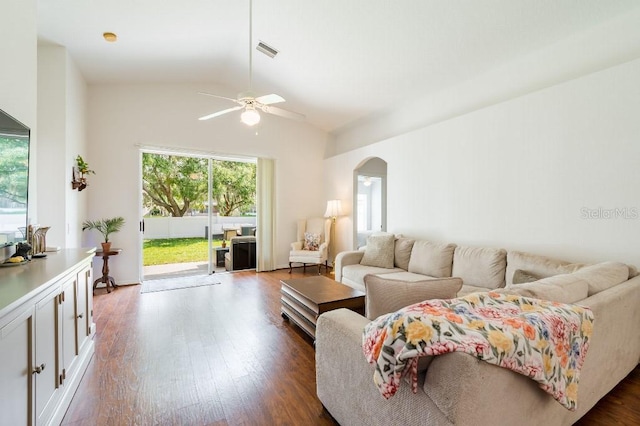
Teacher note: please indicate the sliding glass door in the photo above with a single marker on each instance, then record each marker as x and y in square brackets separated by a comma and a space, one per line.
[192, 205]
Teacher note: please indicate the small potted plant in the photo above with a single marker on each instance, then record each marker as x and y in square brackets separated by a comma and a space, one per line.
[79, 181]
[83, 167]
[105, 227]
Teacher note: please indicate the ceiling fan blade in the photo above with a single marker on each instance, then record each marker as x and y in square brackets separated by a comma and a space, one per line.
[219, 113]
[283, 113]
[270, 99]
[217, 96]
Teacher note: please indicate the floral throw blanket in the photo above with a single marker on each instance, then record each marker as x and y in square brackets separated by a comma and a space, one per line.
[545, 341]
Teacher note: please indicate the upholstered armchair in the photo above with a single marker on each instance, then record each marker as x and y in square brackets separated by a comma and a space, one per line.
[311, 247]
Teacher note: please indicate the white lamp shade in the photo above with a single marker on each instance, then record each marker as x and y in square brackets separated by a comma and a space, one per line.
[250, 117]
[334, 208]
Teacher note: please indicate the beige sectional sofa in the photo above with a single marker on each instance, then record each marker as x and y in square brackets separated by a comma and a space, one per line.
[457, 388]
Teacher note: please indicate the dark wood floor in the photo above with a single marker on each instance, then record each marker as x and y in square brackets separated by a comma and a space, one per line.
[223, 355]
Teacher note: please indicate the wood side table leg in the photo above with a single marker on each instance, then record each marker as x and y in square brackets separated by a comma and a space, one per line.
[109, 281]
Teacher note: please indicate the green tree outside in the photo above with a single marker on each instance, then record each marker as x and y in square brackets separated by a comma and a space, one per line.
[234, 187]
[14, 169]
[174, 185]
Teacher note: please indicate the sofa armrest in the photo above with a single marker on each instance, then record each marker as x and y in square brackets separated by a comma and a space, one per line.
[345, 384]
[296, 246]
[346, 258]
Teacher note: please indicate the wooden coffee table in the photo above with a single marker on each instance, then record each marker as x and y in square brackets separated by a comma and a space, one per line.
[304, 299]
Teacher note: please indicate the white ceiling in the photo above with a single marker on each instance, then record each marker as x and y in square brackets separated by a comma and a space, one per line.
[339, 60]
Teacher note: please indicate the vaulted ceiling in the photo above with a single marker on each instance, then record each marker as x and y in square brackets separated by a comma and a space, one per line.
[339, 60]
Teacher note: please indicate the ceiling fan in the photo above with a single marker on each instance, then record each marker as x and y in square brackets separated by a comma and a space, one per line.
[248, 102]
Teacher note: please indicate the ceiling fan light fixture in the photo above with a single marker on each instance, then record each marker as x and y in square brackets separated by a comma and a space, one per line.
[250, 117]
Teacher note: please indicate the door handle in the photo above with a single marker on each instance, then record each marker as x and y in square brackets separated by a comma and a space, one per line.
[38, 369]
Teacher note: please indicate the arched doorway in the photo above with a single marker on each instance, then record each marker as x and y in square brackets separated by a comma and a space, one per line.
[369, 200]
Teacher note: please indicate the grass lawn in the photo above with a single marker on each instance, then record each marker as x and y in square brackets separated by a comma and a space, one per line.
[175, 250]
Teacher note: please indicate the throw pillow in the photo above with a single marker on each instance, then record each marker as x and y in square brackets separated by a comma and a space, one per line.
[523, 277]
[402, 253]
[384, 295]
[633, 271]
[541, 266]
[602, 276]
[311, 241]
[480, 266]
[379, 251]
[431, 259]
[571, 291]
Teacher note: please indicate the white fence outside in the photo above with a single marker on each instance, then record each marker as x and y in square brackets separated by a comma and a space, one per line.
[191, 226]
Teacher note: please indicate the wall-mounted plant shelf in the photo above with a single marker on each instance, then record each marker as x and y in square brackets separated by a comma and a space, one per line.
[79, 182]
[79, 173]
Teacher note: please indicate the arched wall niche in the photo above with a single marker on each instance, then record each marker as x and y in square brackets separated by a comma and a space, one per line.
[369, 199]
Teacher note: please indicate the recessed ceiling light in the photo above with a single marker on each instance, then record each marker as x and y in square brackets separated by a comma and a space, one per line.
[110, 37]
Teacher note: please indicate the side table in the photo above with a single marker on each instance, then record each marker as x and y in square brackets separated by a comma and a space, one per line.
[105, 278]
[220, 251]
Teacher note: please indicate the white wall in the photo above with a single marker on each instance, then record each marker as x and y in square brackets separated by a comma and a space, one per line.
[614, 42]
[18, 29]
[18, 76]
[61, 124]
[519, 174]
[52, 128]
[123, 116]
[76, 143]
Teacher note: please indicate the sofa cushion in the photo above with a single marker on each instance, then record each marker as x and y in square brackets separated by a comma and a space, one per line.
[633, 271]
[602, 276]
[402, 252]
[564, 289]
[432, 259]
[379, 251]
[468, 289]
[405, 276]
[480, 266]
[522, 277]
[384, 295]
[356, 273]
[294, 254]
[540, 266]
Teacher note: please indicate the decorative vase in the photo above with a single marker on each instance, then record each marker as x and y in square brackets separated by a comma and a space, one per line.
[39, 241]
[106, 247]
[224, 243]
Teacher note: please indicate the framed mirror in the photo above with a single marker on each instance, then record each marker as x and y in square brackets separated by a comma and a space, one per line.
[14, 179]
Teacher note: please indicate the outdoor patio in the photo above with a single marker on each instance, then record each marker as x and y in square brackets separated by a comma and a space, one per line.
[174, 270]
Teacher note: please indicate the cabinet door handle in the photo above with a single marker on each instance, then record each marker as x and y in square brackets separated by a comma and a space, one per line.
[38, 369]
[80, 315]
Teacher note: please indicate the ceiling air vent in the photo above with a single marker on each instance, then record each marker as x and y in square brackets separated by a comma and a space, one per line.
[266, 49]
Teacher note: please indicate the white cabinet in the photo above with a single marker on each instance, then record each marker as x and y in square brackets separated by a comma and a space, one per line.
[16, 381]
[46, 337]
[44, 369]
[84, 308]
[68, 328]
